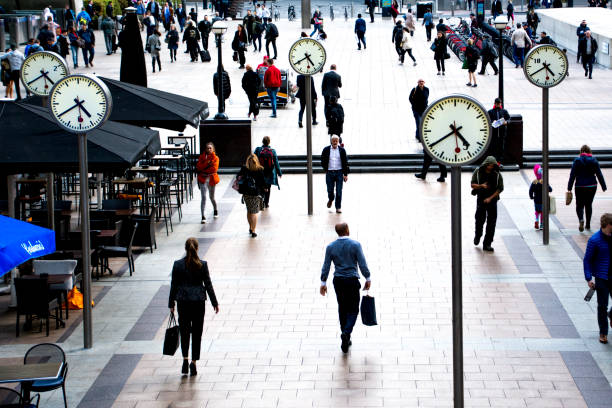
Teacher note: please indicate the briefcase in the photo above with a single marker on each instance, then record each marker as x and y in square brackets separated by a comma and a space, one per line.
[171, 340]
[368, 311]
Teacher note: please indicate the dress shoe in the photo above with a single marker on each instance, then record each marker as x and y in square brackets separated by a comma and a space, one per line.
[420, 176]
[346, 338]
[487, 248]
[581, 226]
[192, 369]
[185, 368]
[476, 240]
[314, 122]
[441, 179]
[329, 203]
[300, 124]
[338, 211]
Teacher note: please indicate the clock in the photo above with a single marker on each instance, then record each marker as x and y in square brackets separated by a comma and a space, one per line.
[41, 70]
[307, 56]
[80, 103]
[455, 130]
[545, 66]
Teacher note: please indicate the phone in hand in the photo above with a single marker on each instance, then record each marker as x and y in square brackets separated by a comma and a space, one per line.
[589, 295]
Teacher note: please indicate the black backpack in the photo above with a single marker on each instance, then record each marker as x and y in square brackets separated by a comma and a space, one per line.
[399, 35]
[273, 30]
[247, 184]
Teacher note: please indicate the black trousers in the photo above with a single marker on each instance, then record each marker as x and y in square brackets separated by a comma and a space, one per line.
[428, 29]
[273, 41]
[361, 39]
[427, 160]
[347, 295]
[253, 106]
[241, 57]
[488, 213]
[303, 107]
[15, 78]
[205, 41]
[584, 202]
[326, 107]
[440, 64]
[587, 63]
[603, 288]
[266, 197]
[488, 60]
[371, 10]
[191, 320]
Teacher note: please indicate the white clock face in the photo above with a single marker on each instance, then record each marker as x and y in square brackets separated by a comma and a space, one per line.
[80, 103]
[455, 130]
[307, 56]
[41, 70]
[545, 66]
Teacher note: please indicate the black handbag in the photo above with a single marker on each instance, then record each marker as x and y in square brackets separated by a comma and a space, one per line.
[171, 340]
[368, 311]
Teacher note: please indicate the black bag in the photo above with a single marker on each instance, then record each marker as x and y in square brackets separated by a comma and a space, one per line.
[204, 55]
[171, 340]
[235, 56]
[368, 311]
[247, 185]
[114, 42]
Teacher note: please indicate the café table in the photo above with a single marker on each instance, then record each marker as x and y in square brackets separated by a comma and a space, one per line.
[139, 183]
[26, 374]
[175, 160]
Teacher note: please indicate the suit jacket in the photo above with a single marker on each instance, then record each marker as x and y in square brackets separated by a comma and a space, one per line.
[582, 46]
[331, 84]
[189, 285]
[301, 93]
[343, 158]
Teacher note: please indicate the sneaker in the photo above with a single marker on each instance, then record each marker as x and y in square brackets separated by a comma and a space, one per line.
[329, 203]
[216, 214]
[536, 225]
[203, 220]
[476, 240]
[300, 124]
[185, 368]
[441, 179]
[346, 338]
[420, 176]
[487, 248]
[254, 118]
[581, 226]
[338, 211]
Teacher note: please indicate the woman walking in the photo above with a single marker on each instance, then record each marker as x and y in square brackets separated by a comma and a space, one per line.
[188, 288]
[440, 52]
[407, 46]
[172, 38]
[239, 44]
[586, 173]
[154, 46]
[251, 83]
[410, 22]
[472, 56]
[394, 10]
[272, 171]
[207, 168]
[252, 186]
[73, 37]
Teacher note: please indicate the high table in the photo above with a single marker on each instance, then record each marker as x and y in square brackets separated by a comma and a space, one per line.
[26, 374]
[140, 183]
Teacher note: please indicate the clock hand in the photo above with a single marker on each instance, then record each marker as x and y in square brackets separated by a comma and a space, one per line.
[533, 73]
[37, 78]
[441, 139]
[465, 142]
[308, 57]
[83, 107]
[298, 62]
[80, 118]
[47, 77]
[548, 69]
[68, 110]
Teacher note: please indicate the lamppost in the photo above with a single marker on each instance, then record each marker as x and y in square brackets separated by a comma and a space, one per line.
[219, 28]
[501, 22]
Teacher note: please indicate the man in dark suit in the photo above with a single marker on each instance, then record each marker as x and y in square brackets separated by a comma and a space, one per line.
[335, 163]
[301, 95]
[155, 10]
[332, 82]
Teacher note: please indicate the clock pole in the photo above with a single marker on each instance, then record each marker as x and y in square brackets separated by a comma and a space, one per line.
[545, 193]
[457, 288]
[306, 14]
[307, 85]
[84, 187]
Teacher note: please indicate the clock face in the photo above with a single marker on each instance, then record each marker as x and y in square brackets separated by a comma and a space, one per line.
[455, 130]
[545, 66]
[307, 56]
[41, 70]
[80, 103]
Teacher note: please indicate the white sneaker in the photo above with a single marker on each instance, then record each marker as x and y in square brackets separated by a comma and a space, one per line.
[203, 220]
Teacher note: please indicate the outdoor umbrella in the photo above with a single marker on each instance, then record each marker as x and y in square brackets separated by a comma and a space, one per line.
[20, 241]
[32, 142]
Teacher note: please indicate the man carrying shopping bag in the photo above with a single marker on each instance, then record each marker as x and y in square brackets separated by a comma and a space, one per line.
[346, 255]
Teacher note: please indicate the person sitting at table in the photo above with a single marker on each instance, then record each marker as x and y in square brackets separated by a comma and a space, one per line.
[207, 167]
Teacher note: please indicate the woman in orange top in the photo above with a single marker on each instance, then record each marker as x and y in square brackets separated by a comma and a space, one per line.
[207, 167]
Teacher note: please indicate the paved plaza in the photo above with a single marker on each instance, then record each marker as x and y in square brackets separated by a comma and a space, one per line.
[530, 339]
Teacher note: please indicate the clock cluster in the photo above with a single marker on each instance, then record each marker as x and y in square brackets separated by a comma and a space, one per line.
[41, 70]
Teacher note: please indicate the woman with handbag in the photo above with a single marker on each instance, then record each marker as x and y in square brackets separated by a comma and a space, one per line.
[394, 10]
[252, 186]
[172, 39]
[585, 172]
[207, 167]
[154, 46]
[439, 49]
[188, 288]
[239, 44]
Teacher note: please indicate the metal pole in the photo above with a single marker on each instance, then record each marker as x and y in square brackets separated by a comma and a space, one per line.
[221, 109]
[307, 85]
[306, 14]
[50, 201]
[501, 67]
[457, 287]
[545, 201]
[453, 8]
[84, 183]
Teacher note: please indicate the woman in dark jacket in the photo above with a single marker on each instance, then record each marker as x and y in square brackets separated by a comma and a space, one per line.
[472, 55]
[188, 288]
[252, 186]
[586, 172]
[251, 83]
[239, 44]
[440, 51]
[172, 38]
[272, 171]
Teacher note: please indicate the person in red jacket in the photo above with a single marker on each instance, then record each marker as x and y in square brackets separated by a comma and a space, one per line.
[207, 167]
[272, 82]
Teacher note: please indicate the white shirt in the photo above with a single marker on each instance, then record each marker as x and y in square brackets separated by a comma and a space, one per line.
[266, 13]
[259, 13]
[335, 163]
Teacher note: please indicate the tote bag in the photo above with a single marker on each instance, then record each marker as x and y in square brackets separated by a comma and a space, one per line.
[171, 340]
[368, 310]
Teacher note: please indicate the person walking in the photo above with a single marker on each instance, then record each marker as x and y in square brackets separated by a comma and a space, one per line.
[15, 59]
[371, 5]
[439, 48]
[394, 10]
[496, 8]
[301, 95]
[257, 31]
[419, 96]
[272, 83]
[410, 22]
[154, 46]
[330, 86]
[488, 53]
[89, 42]
[520, 39]
[335, 164]
[587, 50]
[428, 23]
[239, 44]
[69, 18]
[108, 28]
[533, 20]
[62, 42]
[251, 83]
[596, 264]
[271, 169]
[204, 27]
[396, 38]
[407, 46]
[192, 36]
[247, 23]
[172, 38]
[225, 83]
[510, 11]
[360, 30]
[535, 194]
[336, 117]
[271, 36]
[580, 33]
[188, 288]
[252, 186]
[585, 172]
[499, 124]
[347, 255]
[487, 184]
[73, 37]
[207, 168]
[472, 57]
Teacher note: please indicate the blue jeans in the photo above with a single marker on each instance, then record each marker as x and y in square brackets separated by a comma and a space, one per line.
[417, 120]
[108, 41]
[316, 28]
[334, 177]
[602, 287]
[272, 94]
[88, 49]
[74, 50]
[519, 55]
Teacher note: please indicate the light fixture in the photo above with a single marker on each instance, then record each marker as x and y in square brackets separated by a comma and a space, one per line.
[501, 22]
[219, 28]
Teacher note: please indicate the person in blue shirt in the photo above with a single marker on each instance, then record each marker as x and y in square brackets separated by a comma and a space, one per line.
[346, 255]
[597, 264]
[83, 18]
[428, 23]
[360, 29]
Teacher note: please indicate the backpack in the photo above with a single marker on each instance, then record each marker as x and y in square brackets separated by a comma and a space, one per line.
[266, 159]
[273, 30]
[247, 184]
[399, 35]
[493, 50]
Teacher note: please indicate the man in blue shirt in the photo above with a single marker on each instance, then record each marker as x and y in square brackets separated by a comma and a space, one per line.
[360, 29]
[428, 23]
[346, 255]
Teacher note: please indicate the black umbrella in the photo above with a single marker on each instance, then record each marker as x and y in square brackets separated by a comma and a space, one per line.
[32, 142]
[133, 66]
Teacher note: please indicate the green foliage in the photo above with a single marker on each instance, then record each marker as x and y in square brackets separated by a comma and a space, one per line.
[118, 6]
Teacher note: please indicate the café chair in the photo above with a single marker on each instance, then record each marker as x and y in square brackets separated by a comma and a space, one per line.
[145, 235]
[57, 267]
[120, 251]
[10, 398]
[48, 353]
[34, 299]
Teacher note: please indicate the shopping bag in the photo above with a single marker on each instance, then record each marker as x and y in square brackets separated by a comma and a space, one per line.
[465, 64]
[171, 340]
[368, 310]
[552, 205]
[75, 300]
[568, 197]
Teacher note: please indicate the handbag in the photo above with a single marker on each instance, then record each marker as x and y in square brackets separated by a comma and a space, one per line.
[446, 55]
[80, 43]
[552, 205]
[171, 339]
[568, 197]
[465, 64]
[236, 183]
[433, 47]
[368, 310]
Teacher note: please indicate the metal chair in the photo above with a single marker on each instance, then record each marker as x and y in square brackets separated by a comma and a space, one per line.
[34, 299]
[119, 251]
[48, 353]
[57, 267]
[10, 398]
[145, 235]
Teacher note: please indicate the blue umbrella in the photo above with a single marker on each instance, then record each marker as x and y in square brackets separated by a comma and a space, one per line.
[20, 241]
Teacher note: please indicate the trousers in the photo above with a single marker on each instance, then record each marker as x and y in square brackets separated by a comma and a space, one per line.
[303, 107]
[253, 105]
[584, 202]
[604, 291]
[211, 193]
[334, 178]
[361, 39]
[273, 42]
[191, 320]
[427, 160]
[488, 60]
[488, 213]
[347, 295]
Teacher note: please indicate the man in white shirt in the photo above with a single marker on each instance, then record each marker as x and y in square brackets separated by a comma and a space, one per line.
[15, 59]
[520, 39]
[265, 13]
[335, 163]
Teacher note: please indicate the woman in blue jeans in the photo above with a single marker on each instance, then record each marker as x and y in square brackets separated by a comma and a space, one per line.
[597, 263]
[74, 47]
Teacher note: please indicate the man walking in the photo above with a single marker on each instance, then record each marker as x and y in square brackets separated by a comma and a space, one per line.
[487, 184]
[347, 255]
[204, 27]
[371, 4]
[335, 163]
[271, 36]
[580, 33]
[499, 123]
[301, 95]
[419, 96]
[587, 49]
[428, 23]
[496, 8]
[330, 86]
[488, 54]
[272, 82]
[520, 39]
[360, 29]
